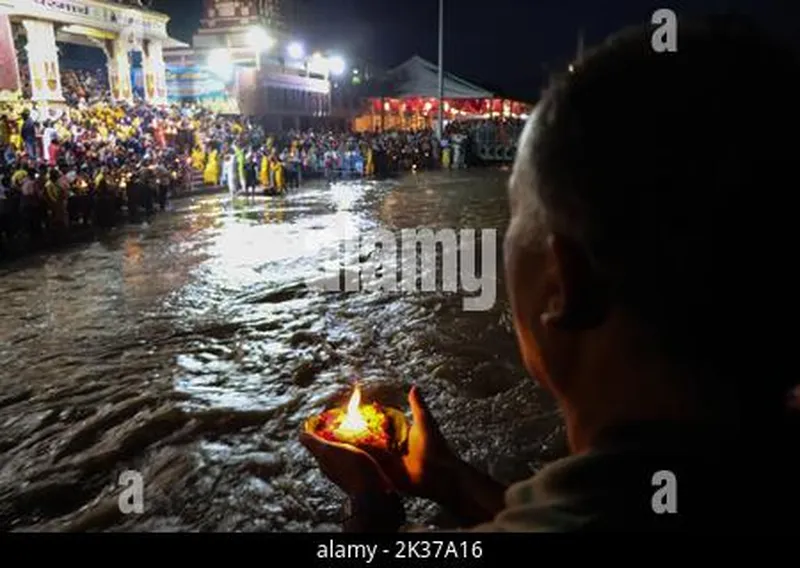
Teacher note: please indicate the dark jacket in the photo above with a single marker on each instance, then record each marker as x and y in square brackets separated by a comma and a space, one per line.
[659, 478]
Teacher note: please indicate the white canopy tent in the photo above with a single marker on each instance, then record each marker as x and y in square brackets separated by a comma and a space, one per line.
[407, 97]
[418, 77]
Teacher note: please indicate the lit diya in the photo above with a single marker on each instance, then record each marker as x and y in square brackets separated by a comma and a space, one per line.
[361, 425]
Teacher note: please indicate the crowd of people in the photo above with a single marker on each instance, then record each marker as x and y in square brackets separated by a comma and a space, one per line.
[279, 161]
[96, 163]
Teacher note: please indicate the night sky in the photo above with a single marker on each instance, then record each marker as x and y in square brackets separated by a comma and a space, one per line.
[506, 45]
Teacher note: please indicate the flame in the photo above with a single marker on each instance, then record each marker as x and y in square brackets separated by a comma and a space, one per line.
[354, 420]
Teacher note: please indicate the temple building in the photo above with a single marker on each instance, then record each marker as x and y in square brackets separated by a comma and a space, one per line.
[243, 59]
[227, 23]
[118, 29]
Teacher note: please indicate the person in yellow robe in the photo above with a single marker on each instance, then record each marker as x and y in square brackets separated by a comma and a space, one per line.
[446, 158]
[125, 132]
[56, 201]
[18, 177]
[211, 173]
[198, 159]
[15, 139]
[369, 165]
[64, 134]
[278, 174]
[263, 172]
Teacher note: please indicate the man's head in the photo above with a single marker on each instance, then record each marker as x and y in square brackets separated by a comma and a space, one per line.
[645, 255]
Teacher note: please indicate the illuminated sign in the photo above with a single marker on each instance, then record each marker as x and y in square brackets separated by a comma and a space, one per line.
[65, 6]
[193, 83]
[104, 14]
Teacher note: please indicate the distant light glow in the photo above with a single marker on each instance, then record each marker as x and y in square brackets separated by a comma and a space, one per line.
[295, 50]
[220, 63]
[318, 64]
[259, 38]
[336, 65]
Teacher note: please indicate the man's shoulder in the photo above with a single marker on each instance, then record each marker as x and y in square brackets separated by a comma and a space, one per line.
[637, 489]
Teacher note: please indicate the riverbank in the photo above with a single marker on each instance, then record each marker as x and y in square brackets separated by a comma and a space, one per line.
[21, 244]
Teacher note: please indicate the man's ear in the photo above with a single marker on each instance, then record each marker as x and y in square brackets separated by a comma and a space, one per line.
[583, 302]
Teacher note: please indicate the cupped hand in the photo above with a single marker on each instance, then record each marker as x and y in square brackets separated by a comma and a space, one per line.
[352, 469]
[427, 467]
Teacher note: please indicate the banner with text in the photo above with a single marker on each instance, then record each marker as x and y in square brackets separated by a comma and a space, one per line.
[193, 83]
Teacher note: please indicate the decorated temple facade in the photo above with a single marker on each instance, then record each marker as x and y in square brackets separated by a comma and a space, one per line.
[226, 23]
[264, 82]
[117, 29]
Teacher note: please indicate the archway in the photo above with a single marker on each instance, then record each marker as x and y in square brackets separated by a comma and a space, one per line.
[116, 28]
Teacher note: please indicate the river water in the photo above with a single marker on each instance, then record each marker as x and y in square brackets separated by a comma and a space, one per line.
[192, 350]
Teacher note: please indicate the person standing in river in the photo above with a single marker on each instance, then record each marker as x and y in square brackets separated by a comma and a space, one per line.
[646, 263]
[135, 188]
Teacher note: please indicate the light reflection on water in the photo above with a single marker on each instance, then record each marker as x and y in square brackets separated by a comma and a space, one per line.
[206, 317]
